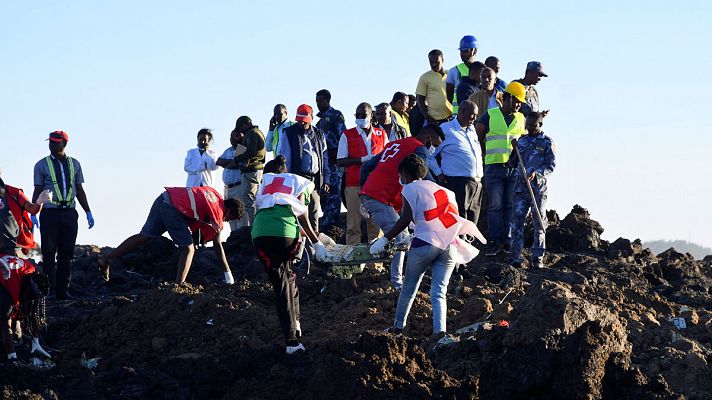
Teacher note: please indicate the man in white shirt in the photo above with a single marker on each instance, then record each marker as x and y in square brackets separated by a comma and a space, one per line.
[461, 168]
[356, 146]
[201, 161]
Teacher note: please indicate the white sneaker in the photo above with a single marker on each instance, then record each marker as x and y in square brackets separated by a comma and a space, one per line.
[294, 349]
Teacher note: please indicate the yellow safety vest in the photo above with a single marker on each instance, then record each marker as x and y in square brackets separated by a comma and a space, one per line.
[275, 134]
[464, 70]
[59, 199]
[402, 121]
[498, 141]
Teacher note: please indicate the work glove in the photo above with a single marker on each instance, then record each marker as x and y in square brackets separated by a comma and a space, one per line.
[90, 219]
[35, 222]
[378, 246]
[38, 349]
[366, 158]
[4, 269]
[320, 251]
[44, 197]
[228, 278]
[364, 212]
[326, 240]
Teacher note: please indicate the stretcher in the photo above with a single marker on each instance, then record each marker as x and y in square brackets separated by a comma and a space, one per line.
[344, 260]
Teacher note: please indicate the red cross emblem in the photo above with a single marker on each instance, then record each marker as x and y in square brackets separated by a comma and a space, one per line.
[442, 211]
[277, 186]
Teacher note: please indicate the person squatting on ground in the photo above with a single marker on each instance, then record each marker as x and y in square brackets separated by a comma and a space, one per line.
[356, 146]
[537, 152]
[381, 188]
[281, 213]
[496, 128]
[62, 175]
[436, 243]
[200, 162]
[180, 211]
[22, 288]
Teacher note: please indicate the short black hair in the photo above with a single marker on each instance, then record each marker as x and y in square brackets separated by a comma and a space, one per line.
[412, 98]
[398, 96]
[538, 115]
[382, 106]
[365, 105]
[491, 60]
[434, 128]
[278, 165]
[281, 107]
[206, 132]
[324, 93]
[477, 66]
[413, 167]
[244, 119]
[435, 52]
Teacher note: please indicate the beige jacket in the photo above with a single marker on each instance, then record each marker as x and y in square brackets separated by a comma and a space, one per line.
[481, 98]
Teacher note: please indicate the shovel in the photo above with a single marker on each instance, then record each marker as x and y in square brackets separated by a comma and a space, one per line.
[523, 170]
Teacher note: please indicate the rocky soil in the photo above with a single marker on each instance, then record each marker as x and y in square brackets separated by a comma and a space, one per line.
[596, 324]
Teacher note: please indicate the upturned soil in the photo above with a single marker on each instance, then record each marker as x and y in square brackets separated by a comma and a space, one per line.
[595, 324]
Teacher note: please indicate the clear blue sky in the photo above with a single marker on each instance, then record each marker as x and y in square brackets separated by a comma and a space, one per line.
[132, 82]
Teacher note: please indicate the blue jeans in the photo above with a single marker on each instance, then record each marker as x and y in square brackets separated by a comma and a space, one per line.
[386, 217]
[499, 185]
[442, 265]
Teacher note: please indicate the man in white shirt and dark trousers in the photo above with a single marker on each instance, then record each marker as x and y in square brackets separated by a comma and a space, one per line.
[231, 175]
[460, 168]
[201, 161]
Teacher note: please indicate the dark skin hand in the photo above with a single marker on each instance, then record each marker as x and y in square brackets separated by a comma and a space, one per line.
[235, 138]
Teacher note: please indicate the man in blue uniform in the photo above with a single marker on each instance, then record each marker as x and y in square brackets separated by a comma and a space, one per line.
[537, 152]
[331, 122]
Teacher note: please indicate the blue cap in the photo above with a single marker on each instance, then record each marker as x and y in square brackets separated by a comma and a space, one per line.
[536, 66]
[468, 42]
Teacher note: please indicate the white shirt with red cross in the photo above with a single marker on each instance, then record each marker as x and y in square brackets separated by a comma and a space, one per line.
[283, 189]
[436, 218]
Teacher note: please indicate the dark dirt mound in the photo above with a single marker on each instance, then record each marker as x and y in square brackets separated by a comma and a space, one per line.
[596, 324]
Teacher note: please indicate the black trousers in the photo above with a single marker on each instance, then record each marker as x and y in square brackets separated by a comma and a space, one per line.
[468, 194]
[58, 227]
[276, 254]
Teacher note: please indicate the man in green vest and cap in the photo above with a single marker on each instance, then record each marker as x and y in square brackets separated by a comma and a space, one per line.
[62, 175]
[496, 128]
[277, 124]
[468, 54]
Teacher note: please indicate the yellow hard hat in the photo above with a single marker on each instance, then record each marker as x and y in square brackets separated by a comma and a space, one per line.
[517, 90]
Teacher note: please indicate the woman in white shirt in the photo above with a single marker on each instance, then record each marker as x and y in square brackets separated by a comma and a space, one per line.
[201, 161]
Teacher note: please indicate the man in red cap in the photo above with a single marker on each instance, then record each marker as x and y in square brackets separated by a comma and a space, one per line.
[304, 147]
[62, 175]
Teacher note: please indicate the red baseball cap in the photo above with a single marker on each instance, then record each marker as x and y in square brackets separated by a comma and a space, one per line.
[58, 136]
[304, 113]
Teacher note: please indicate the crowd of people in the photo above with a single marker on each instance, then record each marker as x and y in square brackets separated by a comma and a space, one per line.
[466, 153]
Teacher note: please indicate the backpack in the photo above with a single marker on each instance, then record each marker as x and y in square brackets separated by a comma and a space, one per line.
[25, 238]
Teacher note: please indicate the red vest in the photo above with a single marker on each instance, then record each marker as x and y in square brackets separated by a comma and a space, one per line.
[202, 205]
[19, 268]
[25, 239]
[383, 184]
[357, 149]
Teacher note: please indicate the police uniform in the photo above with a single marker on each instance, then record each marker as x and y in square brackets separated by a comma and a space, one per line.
[332, 123]
[537, 153]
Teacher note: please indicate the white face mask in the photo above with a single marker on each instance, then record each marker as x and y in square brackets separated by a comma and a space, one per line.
[363, 123]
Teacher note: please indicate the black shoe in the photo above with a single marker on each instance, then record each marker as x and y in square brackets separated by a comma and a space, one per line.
[537, 263]
[505, 249]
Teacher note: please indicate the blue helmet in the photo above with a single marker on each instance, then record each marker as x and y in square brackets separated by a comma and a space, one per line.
[468, 42]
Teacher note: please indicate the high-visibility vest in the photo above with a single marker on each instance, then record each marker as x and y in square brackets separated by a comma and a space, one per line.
[464, 70]
[59, 200]
[498, 140]
[402, 121]
[357, 149]
[275, 134]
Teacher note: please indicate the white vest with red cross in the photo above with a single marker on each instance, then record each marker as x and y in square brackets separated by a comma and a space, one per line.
[437, 221]
[283, 189]
[357, 149]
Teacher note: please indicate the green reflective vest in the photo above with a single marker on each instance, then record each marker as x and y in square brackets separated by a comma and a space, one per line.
[58, 199]
[464, 70]
[498, 141]
[275, 135]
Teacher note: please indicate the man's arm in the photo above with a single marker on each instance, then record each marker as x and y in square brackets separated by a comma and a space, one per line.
[431, 159]
[450, 91]
[549, 160]
[82, 197]
[423, 107]
[269, 139]
[342, 154]
[369, 166]
[405, 219]
[424, 154]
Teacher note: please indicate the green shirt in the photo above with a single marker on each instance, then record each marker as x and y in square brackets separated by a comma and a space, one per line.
[276, 221]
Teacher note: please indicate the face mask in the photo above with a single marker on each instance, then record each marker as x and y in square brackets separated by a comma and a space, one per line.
[363, 123]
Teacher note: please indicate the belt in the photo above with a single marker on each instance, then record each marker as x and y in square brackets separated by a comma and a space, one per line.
[232, 185]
